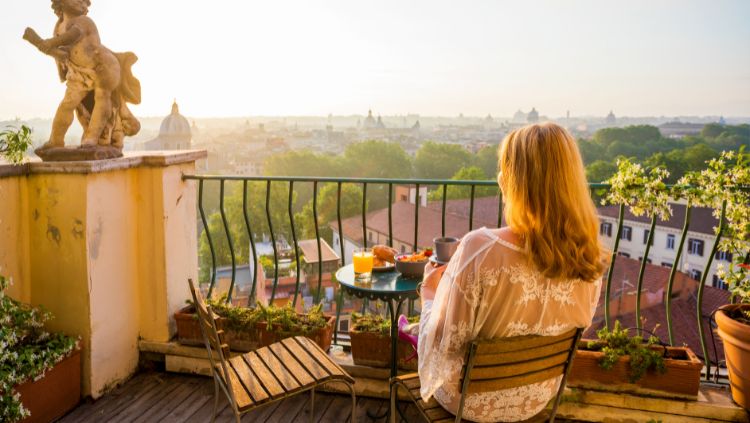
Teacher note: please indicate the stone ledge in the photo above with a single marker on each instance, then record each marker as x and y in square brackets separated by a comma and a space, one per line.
[713, 404]
[130, 160]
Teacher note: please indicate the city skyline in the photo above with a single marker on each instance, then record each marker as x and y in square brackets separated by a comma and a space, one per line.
[241, 59]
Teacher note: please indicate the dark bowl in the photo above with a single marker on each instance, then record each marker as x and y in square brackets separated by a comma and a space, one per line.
[410, 269]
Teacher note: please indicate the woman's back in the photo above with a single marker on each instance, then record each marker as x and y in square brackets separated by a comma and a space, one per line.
[489, 291]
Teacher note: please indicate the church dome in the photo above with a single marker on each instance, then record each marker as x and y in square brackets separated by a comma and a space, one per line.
[175, 125]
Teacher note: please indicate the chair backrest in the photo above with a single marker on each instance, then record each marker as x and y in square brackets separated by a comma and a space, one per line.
[504, 363]
[212, 336]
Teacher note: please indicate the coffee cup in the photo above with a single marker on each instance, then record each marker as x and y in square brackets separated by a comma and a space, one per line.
[445, 247]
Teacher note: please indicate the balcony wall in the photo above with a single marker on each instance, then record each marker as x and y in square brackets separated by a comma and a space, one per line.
[106, 246]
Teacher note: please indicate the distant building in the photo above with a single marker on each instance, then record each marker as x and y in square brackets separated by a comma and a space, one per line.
[678, 129]
[610, 119]
[369, 122]
[519, 116]
[533, 116]
[174, 134]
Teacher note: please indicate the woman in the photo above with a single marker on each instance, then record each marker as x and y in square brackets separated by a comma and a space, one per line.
[540, 275]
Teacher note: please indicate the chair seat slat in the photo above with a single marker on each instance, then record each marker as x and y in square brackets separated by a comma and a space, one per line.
[240, 394]
[312, 366]
[321, 357]
[299, 372]
[520, 343]
[277, 368]
[247, 378]
[487, 385]
[264, 375]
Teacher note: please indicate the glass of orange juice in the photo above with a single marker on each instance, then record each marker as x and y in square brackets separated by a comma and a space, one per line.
[362, 260]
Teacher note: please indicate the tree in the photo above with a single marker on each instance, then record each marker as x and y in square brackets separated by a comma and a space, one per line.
[472, 173]
[600, 171]
[351, 205]
[440, 161]
[487, 161]
[376, 159]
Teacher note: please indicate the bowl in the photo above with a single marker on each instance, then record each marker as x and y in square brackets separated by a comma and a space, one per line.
[410, 269]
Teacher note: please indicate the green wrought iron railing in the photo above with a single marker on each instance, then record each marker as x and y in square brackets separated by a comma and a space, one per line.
[441, 186]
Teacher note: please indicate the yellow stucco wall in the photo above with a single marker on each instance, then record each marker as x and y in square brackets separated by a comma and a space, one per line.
[107, 252]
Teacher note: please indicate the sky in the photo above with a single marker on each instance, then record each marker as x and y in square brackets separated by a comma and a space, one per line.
[227, 58]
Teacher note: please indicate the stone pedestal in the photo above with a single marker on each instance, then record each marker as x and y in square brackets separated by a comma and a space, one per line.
[107, 246]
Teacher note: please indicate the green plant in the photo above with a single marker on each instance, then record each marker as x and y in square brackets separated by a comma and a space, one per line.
[617, 343]
[726, 181]
[27, 351]
[286, 319]
[374, 323]
[14, 143]
[241, 319]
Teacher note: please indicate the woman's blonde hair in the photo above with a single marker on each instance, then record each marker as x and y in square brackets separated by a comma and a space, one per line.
[548, 202]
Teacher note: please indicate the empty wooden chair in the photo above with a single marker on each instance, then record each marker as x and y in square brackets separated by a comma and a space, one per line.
[496, 364]
[268, 374]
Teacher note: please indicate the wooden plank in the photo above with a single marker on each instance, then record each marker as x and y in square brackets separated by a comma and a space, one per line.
[515, 381]
[340, 409]
[508, 370]
[277, 368]
[428, 405]
[314, 350]
[262, 413]
[169, 401]
[319, 372]
[520, 343]
[522, 356]
[291, 363]
[121, 396]
[201, 397]
[269, 382]
[288, 409]
[438, 414]
[240, 394]
[248, 379]
[133, 409]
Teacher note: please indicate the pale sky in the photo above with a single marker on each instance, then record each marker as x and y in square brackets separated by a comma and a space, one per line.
[281, 57]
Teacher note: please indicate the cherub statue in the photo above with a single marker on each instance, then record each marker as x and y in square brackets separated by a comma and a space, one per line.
[99, 82]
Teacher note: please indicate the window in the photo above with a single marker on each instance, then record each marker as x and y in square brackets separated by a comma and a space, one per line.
[717, 282]
[624, 255]
[369, 236]
[605, 228]
[627, 233]
[666, 264]
[695, 246]
[404, 198]
[645, 237]
[647, 260]
[696, 274]
[723, 255]
[670, 242]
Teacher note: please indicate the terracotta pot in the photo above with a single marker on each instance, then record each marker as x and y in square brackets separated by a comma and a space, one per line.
[58, 392]
[681, 379]
[242, 341]
[189, 332]
[322, 337]
[736, 337]
[374, 350]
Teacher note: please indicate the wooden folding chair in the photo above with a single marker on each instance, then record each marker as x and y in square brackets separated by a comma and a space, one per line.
[268, 374]
[496, 364]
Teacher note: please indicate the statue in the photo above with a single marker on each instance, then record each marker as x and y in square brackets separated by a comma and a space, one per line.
[99, 86]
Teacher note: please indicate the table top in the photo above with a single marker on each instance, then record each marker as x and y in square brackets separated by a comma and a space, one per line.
[384, 285]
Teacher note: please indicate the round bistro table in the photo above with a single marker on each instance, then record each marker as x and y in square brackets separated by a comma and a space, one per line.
[389, 287]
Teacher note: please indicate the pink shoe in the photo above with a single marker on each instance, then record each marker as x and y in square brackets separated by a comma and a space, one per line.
[406, 337]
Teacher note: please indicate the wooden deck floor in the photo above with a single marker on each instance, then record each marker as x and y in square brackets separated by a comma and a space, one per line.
[169, 397]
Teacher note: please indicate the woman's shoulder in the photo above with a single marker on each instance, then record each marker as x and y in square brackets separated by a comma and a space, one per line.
[504, 237]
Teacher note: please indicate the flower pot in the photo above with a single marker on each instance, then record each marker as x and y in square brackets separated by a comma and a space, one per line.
[736, 338]
[242, 340]
[53, 395]
[189, 332]
[681, 379]
[374, 350]
[322, 336]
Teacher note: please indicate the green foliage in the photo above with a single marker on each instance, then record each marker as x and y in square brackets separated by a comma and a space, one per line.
[487, 161]
[600, 171]
[375, 323]
[351, 205]
[440, 161]
[641, 190]
[376, 159]
[26, 350]
[14, 143]
[472, 173]
[242, 319]
[286, 320]
[618, 343]
[717, 185]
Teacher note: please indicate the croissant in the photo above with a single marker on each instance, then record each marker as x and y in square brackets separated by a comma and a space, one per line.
[384, 253]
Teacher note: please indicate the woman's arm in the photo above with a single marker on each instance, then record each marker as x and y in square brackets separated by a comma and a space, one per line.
[432, 276]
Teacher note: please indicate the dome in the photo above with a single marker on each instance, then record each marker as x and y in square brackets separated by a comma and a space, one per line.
[175, 125]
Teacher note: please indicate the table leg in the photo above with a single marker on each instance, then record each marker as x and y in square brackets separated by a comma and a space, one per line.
[394, 350]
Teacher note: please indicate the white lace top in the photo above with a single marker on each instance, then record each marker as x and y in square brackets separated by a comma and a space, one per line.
[488, 291]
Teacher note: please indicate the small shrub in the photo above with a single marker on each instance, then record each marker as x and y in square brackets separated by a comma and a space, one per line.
[617, 343]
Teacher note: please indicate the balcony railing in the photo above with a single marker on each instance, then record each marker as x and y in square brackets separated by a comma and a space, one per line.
[442, 186]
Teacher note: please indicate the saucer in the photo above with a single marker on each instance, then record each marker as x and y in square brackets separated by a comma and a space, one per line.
[434, 259]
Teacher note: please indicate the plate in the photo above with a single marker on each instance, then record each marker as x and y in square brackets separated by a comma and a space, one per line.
[387, 268]
[433, 258]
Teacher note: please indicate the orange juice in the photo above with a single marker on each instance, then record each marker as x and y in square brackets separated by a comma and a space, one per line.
[362, 261]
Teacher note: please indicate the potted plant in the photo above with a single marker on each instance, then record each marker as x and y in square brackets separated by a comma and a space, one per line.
[14, 143]
[40, 372]
[370, 337]
[238, 323]
[725, 186]
[621, 363]
[277, 323]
